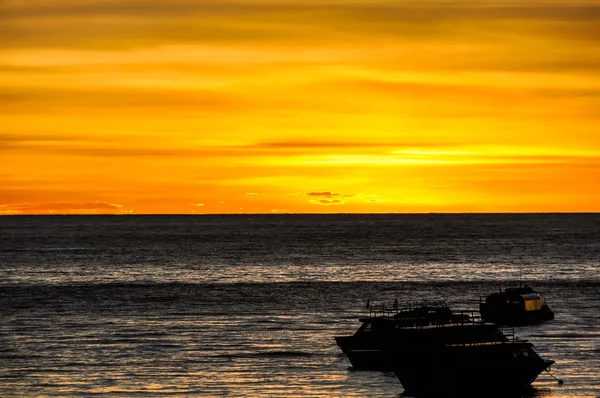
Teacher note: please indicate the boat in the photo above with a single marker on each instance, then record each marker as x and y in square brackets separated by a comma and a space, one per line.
[389, 329]
[516, 305]
[480, 369]
[449, 353]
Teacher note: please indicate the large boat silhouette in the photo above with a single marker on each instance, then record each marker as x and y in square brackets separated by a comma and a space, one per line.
[434, 350]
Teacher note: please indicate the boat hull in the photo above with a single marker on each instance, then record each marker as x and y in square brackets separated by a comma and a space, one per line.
[514, 315]
[380, 352]
[365, 357]
[481, 370]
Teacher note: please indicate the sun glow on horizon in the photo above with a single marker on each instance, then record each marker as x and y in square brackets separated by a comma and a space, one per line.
[265, 106]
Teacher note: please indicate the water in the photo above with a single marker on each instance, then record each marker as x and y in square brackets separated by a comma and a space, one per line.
[249, 305]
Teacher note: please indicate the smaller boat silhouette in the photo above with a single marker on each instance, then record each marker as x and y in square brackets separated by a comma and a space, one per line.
[516, 305]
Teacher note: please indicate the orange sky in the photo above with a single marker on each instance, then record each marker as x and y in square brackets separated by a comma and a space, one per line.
[317, 106]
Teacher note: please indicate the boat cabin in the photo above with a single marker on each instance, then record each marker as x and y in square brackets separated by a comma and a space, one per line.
[527, 302]
[516, 305]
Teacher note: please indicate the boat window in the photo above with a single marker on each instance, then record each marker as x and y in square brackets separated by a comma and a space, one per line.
[533, 305]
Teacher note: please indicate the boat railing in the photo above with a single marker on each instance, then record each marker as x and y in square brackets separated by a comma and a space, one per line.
[456, 318]
[412, 320]
[509, 332]
[395, 309]
[467, 317]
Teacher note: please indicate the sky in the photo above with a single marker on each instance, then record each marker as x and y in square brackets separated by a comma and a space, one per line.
[312, 106]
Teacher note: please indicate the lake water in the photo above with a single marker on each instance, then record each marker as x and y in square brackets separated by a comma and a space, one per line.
[248, 305]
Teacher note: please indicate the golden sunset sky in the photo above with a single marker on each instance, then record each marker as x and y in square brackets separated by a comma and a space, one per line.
[304, 106]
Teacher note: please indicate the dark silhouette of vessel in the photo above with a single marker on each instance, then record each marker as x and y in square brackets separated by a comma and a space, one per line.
[433, 350]
[485, 368]
[390, 328]
[518, 305]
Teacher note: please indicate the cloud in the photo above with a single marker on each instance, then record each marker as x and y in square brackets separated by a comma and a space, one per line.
[118, 23]
[322, 193]
[375, 10]
[111, 146]
[14, 140]
[135, 99]
[327, 194]
[61, 208]
[326, 145]
[327, 202]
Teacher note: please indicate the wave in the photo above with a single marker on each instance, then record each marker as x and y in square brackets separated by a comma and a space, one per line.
[267, 354]
[272, 354]
[568, 335]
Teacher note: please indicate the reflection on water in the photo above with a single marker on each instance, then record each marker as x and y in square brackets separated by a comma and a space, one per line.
[250, 305]
[244, 339]
[290, 248]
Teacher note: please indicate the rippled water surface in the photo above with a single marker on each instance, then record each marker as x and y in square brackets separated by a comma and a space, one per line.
[249, 305]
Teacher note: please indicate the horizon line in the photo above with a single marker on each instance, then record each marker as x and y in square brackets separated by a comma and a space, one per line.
[300, 213]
